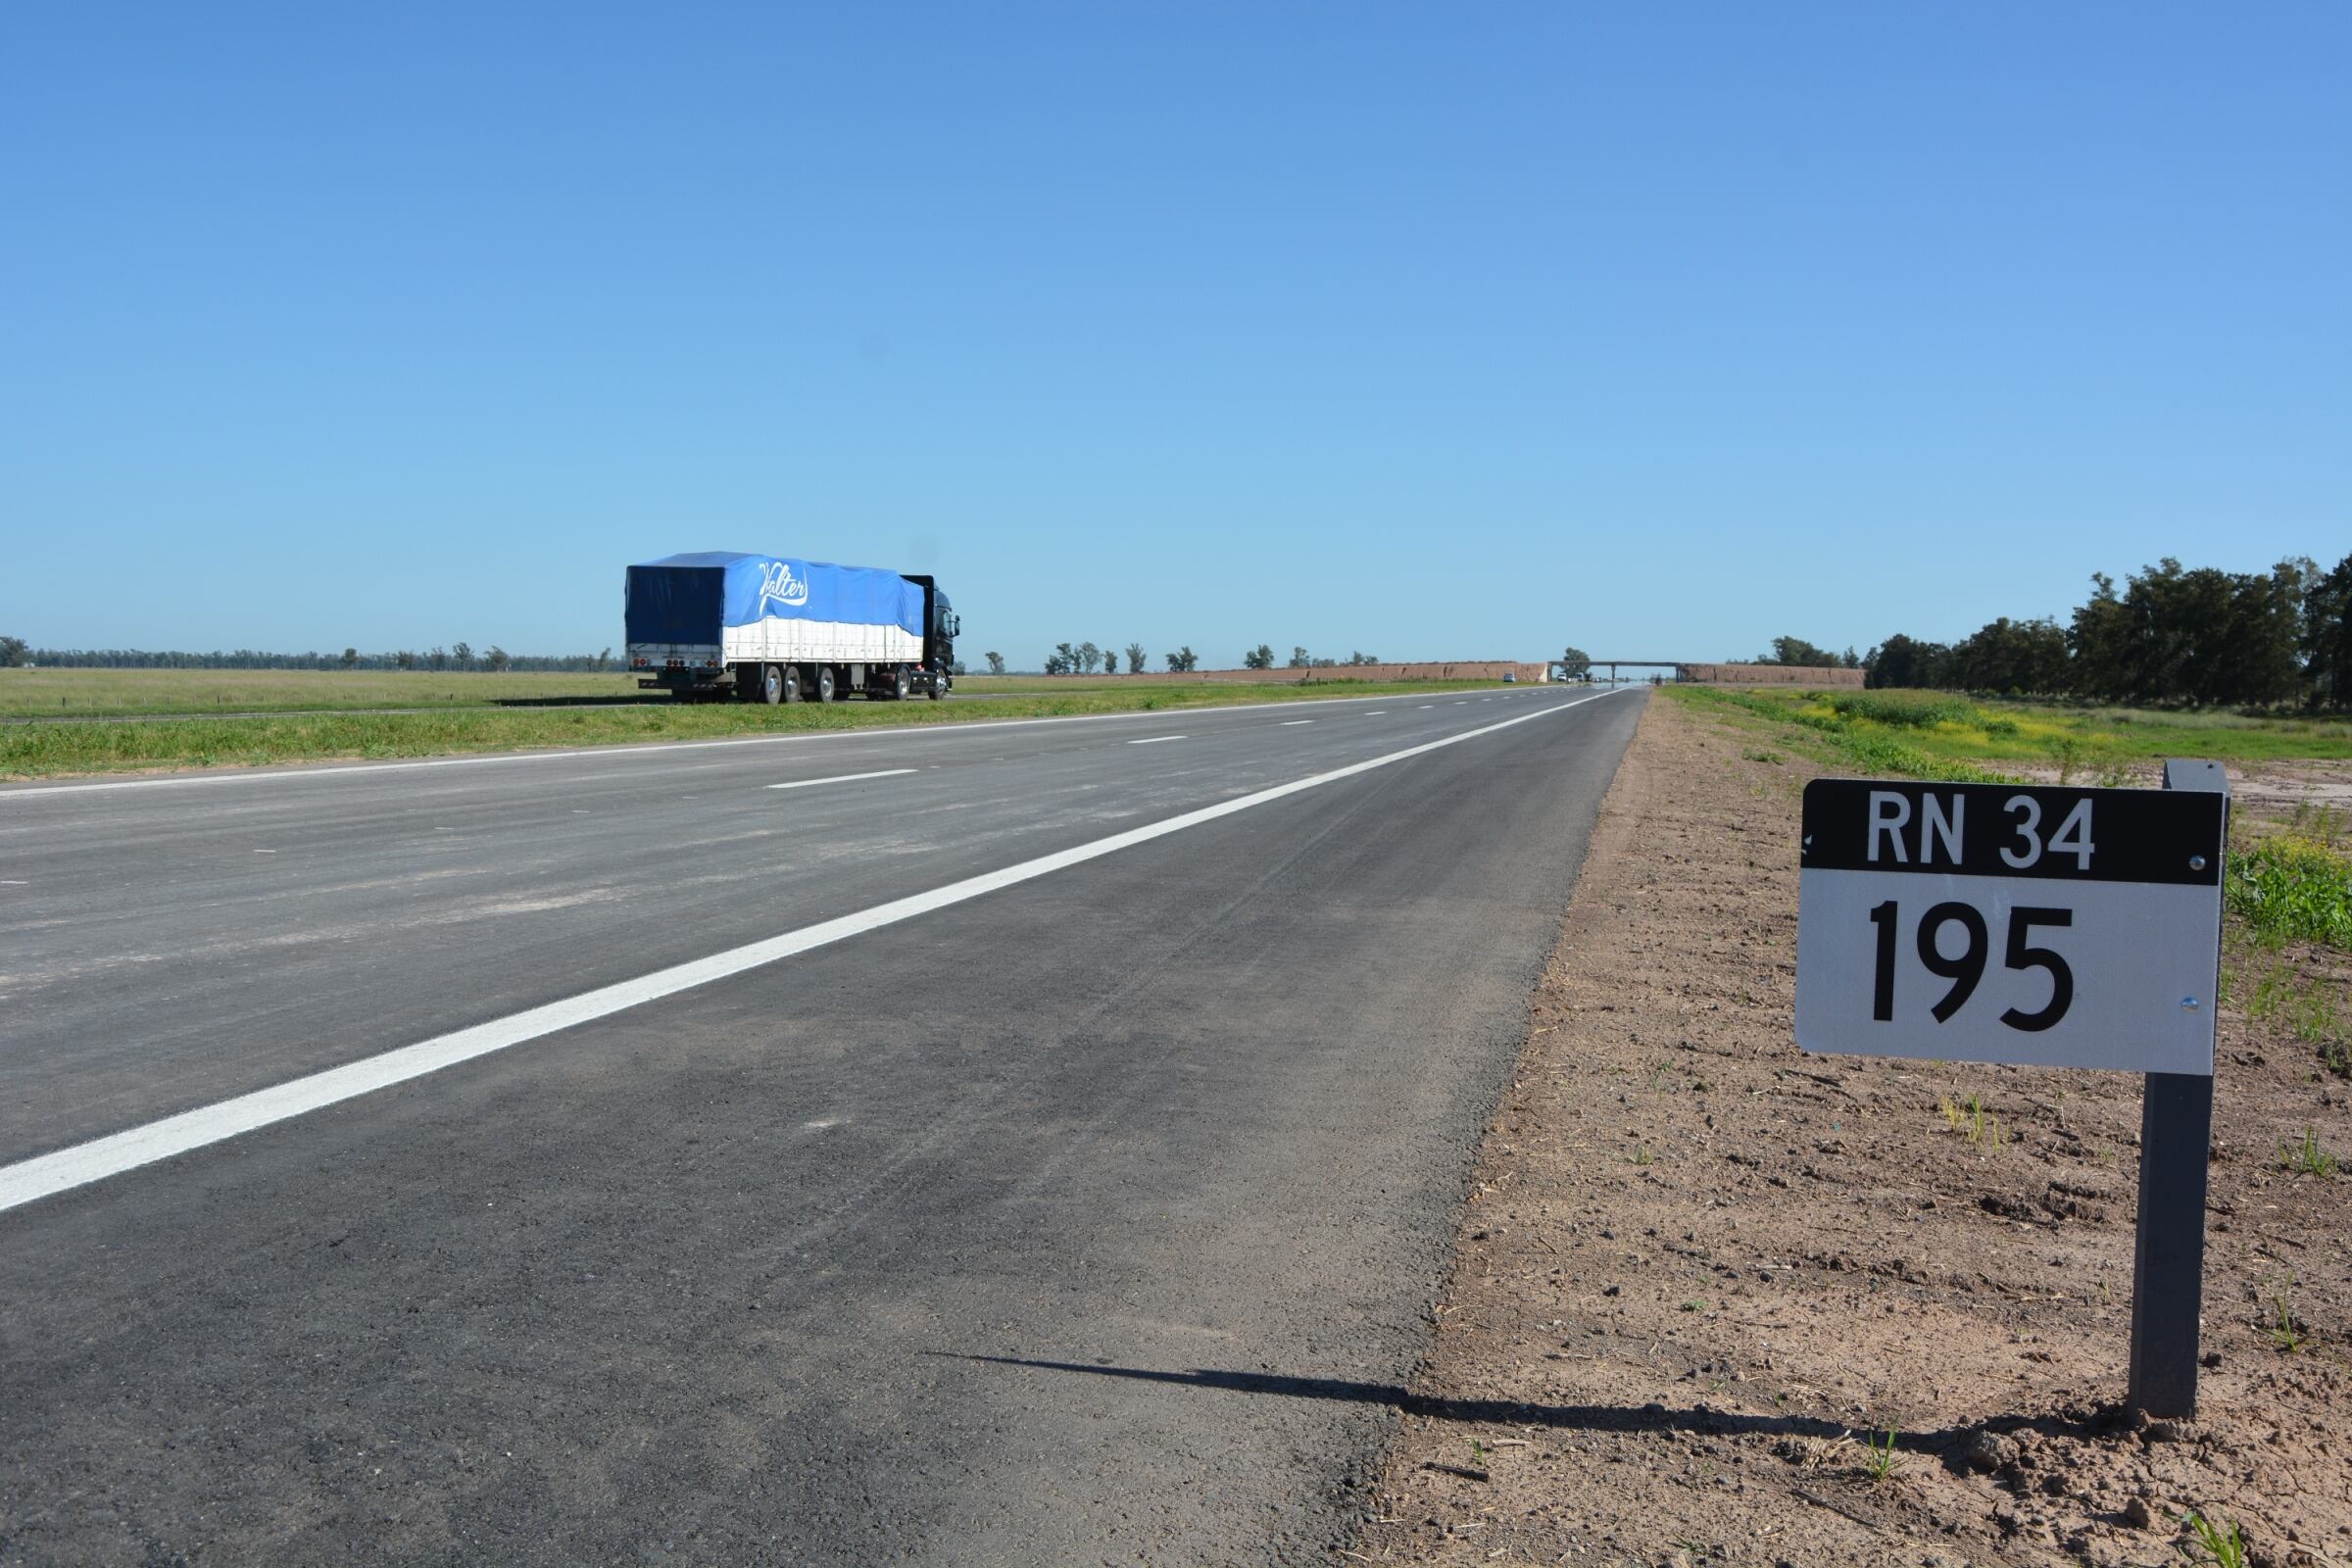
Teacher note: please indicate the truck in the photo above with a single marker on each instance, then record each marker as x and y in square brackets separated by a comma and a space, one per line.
[718, 623]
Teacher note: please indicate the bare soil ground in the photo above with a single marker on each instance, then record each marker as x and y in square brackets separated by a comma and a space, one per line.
[1700, 1271]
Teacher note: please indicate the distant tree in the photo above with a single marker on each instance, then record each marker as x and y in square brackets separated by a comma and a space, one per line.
[351, 658]
[1089, 656]
[1184, 661]
[957, 668]
[1902, 661]
[2014, 655]
[2257, 663]
[1111, 660]
[604, 658]
[1135, 659]
[2175, 636]
[1260, 657]
[438, 657]
[2327, 639]
[996, 664]
[1797, 650]
[1065, 659]
[1299, 659]
[404, 660]
[497, 658]
[463, 656]
[11, 652]
[1363, 659]
[1575, 663]
[1850, 659]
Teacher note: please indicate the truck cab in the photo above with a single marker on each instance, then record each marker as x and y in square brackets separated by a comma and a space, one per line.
[937, 677]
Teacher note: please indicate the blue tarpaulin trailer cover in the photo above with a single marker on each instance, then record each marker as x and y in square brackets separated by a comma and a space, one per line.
[690, 598]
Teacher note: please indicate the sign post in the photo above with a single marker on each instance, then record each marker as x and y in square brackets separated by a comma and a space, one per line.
[2044, 927]
[2168, 1255]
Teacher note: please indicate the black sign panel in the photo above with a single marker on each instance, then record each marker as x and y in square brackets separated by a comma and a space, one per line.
[2171, 837]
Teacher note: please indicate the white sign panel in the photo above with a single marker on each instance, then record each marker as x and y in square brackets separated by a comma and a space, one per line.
[1993, 922]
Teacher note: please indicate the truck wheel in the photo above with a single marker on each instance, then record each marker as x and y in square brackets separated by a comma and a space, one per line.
[792, 683]
[936, 693]
[771, 685]
[825, 683]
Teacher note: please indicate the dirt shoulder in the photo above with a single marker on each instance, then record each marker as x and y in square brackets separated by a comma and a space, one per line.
[1699, 1269]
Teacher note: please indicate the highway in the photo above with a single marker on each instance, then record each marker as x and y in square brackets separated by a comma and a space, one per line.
[1021, 1142]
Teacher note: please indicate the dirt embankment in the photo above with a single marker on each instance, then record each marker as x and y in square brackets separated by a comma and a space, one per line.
[1701, 1271]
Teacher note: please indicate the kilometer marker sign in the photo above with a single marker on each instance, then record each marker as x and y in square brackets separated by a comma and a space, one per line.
[2013, 923]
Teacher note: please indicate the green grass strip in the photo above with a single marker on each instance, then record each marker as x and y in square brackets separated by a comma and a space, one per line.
[39, 749]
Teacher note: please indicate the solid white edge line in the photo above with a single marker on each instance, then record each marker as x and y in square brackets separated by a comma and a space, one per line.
[334, 769]
[843, 778]
[67, 1168]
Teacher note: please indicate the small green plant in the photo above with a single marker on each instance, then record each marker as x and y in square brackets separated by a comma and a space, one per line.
[2221, 1545]
[1755, 756]
[2284, 1331]
[1883, 1458]
[1974, 1122]
[1480, 1453]
[2307, 1158]
[1643, 1156]
[1694, 1306]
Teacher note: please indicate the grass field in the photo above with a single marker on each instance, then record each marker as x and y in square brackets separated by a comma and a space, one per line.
[121, 693]
[112, 693]
[33, 748]
[1937, 735]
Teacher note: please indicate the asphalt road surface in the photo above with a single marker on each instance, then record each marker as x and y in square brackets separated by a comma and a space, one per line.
[1022, 1143]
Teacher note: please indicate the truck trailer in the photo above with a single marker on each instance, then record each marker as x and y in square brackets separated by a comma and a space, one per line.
[770, 629]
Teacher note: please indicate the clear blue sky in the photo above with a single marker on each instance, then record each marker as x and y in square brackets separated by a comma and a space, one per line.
[1430, 330]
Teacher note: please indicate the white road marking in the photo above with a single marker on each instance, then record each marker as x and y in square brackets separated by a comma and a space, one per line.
[1425, 707]
[842, 778]
[1287, 722]
[1154, 740]
[45, 1174]
[13, 882]
[265, 852]
[1376, 713]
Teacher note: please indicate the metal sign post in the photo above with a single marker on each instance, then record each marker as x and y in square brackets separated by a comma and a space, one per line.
[2043, 926]
[2168, 1255]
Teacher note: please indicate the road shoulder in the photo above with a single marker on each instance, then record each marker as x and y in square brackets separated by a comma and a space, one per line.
[1700, 1274]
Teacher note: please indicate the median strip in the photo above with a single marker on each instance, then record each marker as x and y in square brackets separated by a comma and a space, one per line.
[29, 1180]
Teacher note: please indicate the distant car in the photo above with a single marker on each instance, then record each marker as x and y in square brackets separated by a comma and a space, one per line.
[1510, 677]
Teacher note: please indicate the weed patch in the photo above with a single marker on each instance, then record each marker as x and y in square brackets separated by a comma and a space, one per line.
[2293, 888]
[2307, 1158]
[1974, 1122]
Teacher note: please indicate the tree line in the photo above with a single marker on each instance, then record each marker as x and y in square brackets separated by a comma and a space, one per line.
[1084, 657]
[456, 657]
[2171, 636]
